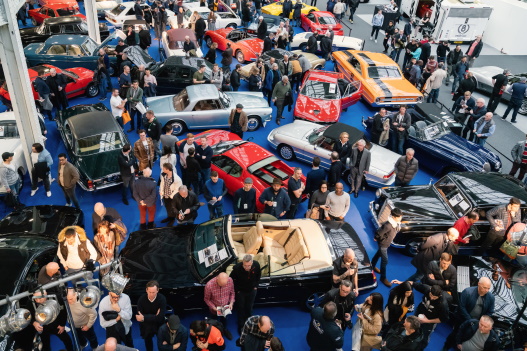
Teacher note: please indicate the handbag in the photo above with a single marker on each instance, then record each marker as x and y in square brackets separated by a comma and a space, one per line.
[140, 107]
[511, 250]
[126, 117]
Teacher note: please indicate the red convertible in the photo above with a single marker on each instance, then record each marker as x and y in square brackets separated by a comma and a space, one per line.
[324, 94]
[80, 81]
[53, 10]
[320, 21]
[244, 47]
[235, 159]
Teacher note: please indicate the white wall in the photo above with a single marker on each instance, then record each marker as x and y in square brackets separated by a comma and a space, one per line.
[507, 26]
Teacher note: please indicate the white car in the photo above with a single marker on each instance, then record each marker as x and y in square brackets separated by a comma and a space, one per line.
[104, 5]
[305, 140]
[10, 142]
[125, 11]
[223, 19]
[173, 40]
[339, 42]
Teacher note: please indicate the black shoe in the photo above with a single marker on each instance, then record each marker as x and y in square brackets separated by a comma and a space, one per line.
[166, 220]
[356, 195]
[151, 225]
[351, 191]
[130, 130]
[513, 121]
[278, 121]
[142, 226]
[125, 201]
[503, 118]
[228, 334]
[171, 222]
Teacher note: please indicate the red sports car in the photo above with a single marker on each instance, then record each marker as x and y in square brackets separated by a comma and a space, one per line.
[320, 21]
[80, 81]
[53, 10]
[235, 159]
[244, 47]
[67, 2]
[323, 96]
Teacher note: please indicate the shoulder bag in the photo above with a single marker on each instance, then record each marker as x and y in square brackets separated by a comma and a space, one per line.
[509, 249]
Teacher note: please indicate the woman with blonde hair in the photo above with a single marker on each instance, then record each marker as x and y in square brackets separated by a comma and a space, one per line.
[282, 40]
[255, 81]
[105, 241]
[211, 54]
[193, 19]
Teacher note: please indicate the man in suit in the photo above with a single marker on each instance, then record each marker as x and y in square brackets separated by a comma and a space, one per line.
[127, 168]
[262, 28]
[57, 84]
[360, 165]
[462, 106]
[400, 124]
[68, 178]
[335, 171]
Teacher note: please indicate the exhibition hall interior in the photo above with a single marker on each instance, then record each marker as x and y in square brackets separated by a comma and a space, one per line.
[279, 175]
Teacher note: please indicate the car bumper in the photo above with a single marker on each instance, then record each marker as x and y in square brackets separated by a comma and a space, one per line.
[373, 212]
[379, 182]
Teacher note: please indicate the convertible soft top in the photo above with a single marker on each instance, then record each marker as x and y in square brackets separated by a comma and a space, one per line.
[334, 130]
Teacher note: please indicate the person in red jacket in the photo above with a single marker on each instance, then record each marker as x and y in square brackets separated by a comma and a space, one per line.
[206, 337]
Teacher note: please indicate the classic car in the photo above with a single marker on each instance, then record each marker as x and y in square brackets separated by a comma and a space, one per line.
[104, 5]
[324, 95]
[173, 40]
[244, 47]
[339, 42]
[305, 140]
[53, 10]
[278, 54]
[276, 9]
[135, 24]
[273, 23]
[235, 160]
[175, 74]
[93, 140]
[67, 51]
[509, 287]
[52, 2]
[381, 78]
[431, 209]
[227, 19]
[295, 255]
[125, 11]
[202, 106]
[483, 76]
[28, 240]
[442, 151]
[320, 21]
[59, 25]
[79, 81]
[10, 142]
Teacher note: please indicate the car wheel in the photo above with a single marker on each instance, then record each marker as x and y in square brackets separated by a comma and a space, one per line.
[34, 21]
[240, 57]
[523, 108]
[253, 123]
[179, 127]
[92, 90]
[347, 176]
[302, 47]
[208, 41]
[286, 152]
[412, 246]
[314, 300]
[232, 25]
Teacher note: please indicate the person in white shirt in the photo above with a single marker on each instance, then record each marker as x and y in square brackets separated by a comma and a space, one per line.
[150, 84]
[115, 316]
[117, 104]
[337, 204]
[74, 249]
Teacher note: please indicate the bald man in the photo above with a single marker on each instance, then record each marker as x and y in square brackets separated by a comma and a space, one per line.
[219, 295]
[112, 345]
[102, 213]
[345, 268]
[257, 333]
[50, 273]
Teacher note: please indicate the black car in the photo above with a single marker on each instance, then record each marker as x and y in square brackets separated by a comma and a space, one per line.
[59, 25]
[176, 73]
[183, 258]
[432, 209]
[273, 23]
[29, 242]
[93, 140]
[509, 287]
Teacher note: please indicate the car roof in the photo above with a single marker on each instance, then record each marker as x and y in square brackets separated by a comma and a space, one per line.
[66, 39]
[63, 20]
[490, 188]
[92, 123]
[196, 92]
[7, 116]
[178, 34]
[372, 58]
[334, 130]
[134, 22]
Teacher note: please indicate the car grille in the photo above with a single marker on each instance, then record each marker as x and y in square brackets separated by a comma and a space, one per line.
[385, 212]
[463, 278]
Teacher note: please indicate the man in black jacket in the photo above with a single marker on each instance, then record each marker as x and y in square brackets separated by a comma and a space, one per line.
[261, 32]
[400, 123]
[245, 276]
[144, 191]
[287, 7]
[268, 43]
[244, 200]
[326, 46]
[474, 49]
[324, 332]
[344, 299]
[246, 14]
[145, 39]
[378, 125]
[432, 310]
[472, 116]
[335, 171]
[153, 130]
[312, 43]
[172, 335]
[499, 82]
[186, 205]
[384, 237]
[127, 167]
[151, 310]
[443, 274]
[235, 78]
[343, 147]
[477, 335]
[226, 58]
[453, 57]
[57, 84]
[200, 27]
[404, 336]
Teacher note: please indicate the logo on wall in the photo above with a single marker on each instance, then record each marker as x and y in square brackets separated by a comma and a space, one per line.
[463, 28]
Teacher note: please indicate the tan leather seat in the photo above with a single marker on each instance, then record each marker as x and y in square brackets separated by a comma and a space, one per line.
[252, 241]
[287, 246]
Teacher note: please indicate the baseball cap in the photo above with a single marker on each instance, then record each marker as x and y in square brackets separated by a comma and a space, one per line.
[239, 106]
[248, 180]
[174, 322]
[6, 155]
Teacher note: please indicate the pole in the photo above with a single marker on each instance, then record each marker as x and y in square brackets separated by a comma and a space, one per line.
[92, 20]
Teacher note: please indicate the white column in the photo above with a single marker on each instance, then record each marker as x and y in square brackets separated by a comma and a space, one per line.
[92, 20]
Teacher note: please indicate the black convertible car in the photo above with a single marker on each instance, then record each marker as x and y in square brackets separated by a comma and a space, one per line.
[295, 256]
[59, 25]
[431, 209]
[28, 242]
[93, 140]
[176, 73]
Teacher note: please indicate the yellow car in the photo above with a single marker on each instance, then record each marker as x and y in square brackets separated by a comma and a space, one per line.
[276, 9]
[382, 80]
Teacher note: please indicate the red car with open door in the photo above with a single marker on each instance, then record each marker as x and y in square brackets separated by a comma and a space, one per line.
[53, 10]
[244, 46]
[320, 21]
[324, 95]
[235, 159]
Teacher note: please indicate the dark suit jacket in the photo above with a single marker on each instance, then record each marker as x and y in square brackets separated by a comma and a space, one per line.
[406, 123]
[364, 164]
[344, 151]
[124, 164]
[449, 274]
[471, 104]
[145, 39]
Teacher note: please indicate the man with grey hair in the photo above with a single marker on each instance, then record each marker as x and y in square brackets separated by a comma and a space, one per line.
[474, 335]
[246, 276]
[112, 345]
[484, 128]
[186, 205]
[360, 165]
[405, 335]
[346, 267]
[282, 92]
[434, 82]
[499, 83]
[518, 92]
[102, 213]
[261, 32]
[472, 116]
[57, 84]
[406, 168]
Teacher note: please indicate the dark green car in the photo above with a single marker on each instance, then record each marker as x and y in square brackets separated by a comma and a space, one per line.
[93, 141]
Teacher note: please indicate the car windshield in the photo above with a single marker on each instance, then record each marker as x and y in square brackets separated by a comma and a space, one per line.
[321, 90]
[117, 10]
[204, 15]
[383, 72]
[432, 131]
[99, 143]
[208, 246]
[181, 100]
[8, 130]
[69, 11]
[314, 136]
[225, 99]
[327, 20]
[454, 198]
[70, 73]
[90, 46]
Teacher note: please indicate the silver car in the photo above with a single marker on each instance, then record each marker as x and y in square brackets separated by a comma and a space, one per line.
[305, 140]
[484, 76]
[202, 106]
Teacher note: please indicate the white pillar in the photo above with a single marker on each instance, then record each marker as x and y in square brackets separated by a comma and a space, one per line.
[92, 20]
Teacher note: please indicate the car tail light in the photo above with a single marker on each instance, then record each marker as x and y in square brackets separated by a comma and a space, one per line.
[90, 184]
[389, 175]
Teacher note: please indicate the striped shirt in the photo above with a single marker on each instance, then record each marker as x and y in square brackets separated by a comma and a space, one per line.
[524, 155]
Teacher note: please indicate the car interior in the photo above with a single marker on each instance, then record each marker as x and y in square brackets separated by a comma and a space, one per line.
[57, 50]
[74, 50]
[234, 36]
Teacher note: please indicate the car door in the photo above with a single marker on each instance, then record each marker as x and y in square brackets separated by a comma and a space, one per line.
[41, 15]
[165, 78]
[226, 167]
[209, 113]
[352, 94]
[56, 55]
[76, 56]
[183, 77]
[322, 147]
[73, 87]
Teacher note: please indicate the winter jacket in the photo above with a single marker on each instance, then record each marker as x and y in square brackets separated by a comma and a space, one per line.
[477, 49]
[460, 68]
[468, 300]
[440, 279]
[386, 232]
[174, 187]
[469, 328]
[405, 171]
[395, 341]
[85, 248]
[144, 188]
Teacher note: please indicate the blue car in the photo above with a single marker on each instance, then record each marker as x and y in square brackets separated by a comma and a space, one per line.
[440, 150]
[68, 51]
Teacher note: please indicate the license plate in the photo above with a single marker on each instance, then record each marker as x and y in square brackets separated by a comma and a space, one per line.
[458, 42]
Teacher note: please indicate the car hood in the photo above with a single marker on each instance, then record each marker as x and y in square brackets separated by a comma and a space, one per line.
[418, 203]
[351, 42]
[396, 87]
[487, 71]
[31, 48]
[9, 145]
[384, 160]
[28, 31]
[248, 100]
[99, 165]
[138, 56]
[253, 45]
[161, 104]
[317, 110]
[297, 130]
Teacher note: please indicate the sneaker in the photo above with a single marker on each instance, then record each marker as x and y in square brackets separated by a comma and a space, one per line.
[375, 40]
[68, 205]
[33, 192]
[351, 21]
[371, 38]
[48, 193]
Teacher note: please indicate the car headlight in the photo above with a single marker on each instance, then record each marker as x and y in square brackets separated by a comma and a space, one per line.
[486, 167]
[419, 98]
[272, 134]
[378, 193]
[378, 99]
[497, 165]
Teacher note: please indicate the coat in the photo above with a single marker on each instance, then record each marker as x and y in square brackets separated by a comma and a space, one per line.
[145, 157]
[469, 328]
[370, 328]
[517, 151]
[405, 123]
[297, 10]
[243, 119]
[262, 30]
[144, 189]
[435, 81]
[468, 300]
[397, 342]
[174, 187]
[431, 250]
[200, 27]
[440, 279]
[145, 39]
[405, 171]
[386, 232]
[477, 49]
[365, 160]
[70, 176]
[125, 166]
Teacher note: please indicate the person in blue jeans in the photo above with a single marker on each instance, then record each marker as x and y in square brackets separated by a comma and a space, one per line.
[215, 190]
[102, 77]
[459, 72]
[518, 93]
[384, 237]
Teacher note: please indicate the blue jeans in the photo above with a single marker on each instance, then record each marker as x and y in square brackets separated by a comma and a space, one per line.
[480, 141]
[382, 253]
[103, 86]
[513, 105]
[397, 143]
[135, 114]
[15, 190]
[417, 276]
[150, 90]
[215, 211]
[204, 175]
[457, 79]
[432, 97]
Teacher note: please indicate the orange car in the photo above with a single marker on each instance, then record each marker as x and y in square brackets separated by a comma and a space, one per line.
[382, 80]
